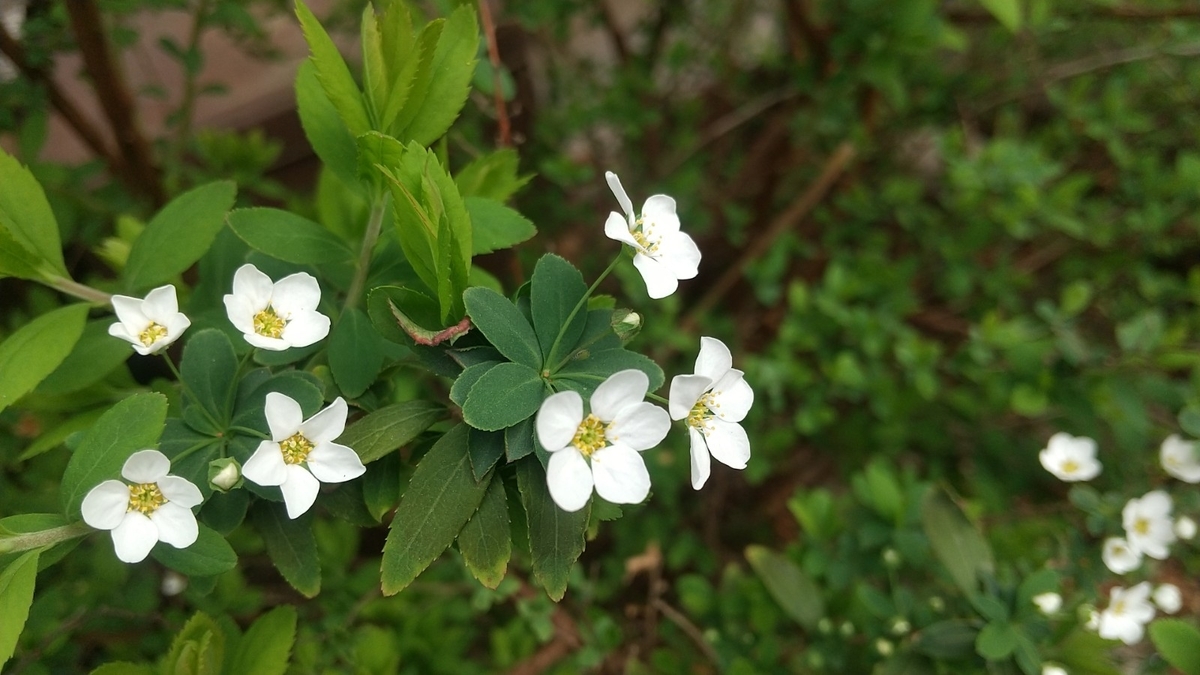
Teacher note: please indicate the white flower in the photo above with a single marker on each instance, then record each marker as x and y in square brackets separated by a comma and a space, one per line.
[619, 426]
[1048, 603]
[1185, 528]
[713, 401]
[301, 453]
[150, 325]
[1119, 557]
[664, 254]
[1127, 614]
[1051, 669]
[154, 507]
[1070, 458]
[279, 315]
[1179, 459]
[1168, 598]
[1148, 525]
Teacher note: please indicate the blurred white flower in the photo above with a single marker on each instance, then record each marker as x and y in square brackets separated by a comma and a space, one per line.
[713, 401]
[1168, 598]
[154, 507]
[173, 583]
[1119, 557]
[1128, 612]
[1179, 459]
[150, 325]
[301, 453]
[276, 315]
[1048, 603]
[664, 254]
[1070, 458]
[1093, 620]
[1185, 528]
[1051, 669]
[1148, 526]
[620, 425]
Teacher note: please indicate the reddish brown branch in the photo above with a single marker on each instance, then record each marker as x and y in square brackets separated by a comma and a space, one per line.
[489, 29]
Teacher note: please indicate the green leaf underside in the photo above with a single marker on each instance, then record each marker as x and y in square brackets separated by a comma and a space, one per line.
[36, 349]
[955, 541]
[390, 428]
[16, 595]
[495, 226]
[288, 237]
[504, 326]
[441, 497]
[267, 645]
[131, 425]
[178, 235]
[503, 396]
[209, 556]
[556, 537]
[795, 592]
[555, 290]
[291, 546]
[26, 218]
[355, 353]
[485, 541]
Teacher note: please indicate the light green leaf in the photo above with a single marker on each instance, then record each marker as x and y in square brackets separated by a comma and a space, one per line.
[422, 54]
[402, 60]
[291, 546]
[504, 326]
[494, 226]
[1178, 642]
[26, 218]
[485, 541]
[955, 541]
[209, 556]
[288, 237]
[131, 425]
[387, 429]
[54, 436]
[789, 585]
[556, 537]
[333, 74]
[16, 260]
[451, 70]
[375, 78]
[198, 649]
[1007, 12]
[16, 595]
[557, 290]
[996, 641]
[178, 235]
[125, 668]
[355, 353]
[492, 176]
[503, 396]
[267, 645]
[32, 353]
[441, 497]
[95, 355]
[329, 138]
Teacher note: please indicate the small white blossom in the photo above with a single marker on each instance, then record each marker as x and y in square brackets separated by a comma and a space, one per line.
[1148, 525]
[154, 507]
[150, 325]
[1128, 612]
[1185, 528]
[301, 453]
[1119, 557]
[1179, 459]
[1051, 669]
[1070, 458]
[1048, 603]
[173, 583]
[602, 449]
[224, 474]
[276, 315]
[1168, 598]
[664, 254]
[713, 401]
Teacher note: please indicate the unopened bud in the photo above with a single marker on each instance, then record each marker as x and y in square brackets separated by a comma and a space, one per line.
[224, 474]
[1051, 669]
[173, 583]
[626, 323]
[846, 629]
[1185, 528]
[937, 604]
[900, 626]
[884, 647]
[891, 557]
[825, 626]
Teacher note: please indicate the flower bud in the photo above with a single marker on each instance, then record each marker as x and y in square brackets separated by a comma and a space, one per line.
[846, 629]
[626, 324]
[825, 626]
[937, 604]
[1168, 598]
[1048, 603]
[884, 647]
[1051, 669]
[224, 474]
[900, 626]
[1185, 528]
[891, 557]
[173, 583]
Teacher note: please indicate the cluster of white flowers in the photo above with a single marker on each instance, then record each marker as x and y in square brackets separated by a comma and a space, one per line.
[1130, 609]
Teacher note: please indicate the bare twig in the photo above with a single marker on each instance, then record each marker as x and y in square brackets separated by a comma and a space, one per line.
[679, 619]
[729, 123]
[1118, 13]
[614, 31]
[489, 29]
[566, 639]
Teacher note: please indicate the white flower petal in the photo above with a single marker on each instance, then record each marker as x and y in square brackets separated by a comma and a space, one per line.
[658, 214]
[1168, 598]
[334, 463]
[618, 191]
[714, 359]
[176, 525]
[180, 491]
[145, 466]
[305, 328]
[134, 537]
[618, 228]
[620, 474]
[680, 255]
[105, 505]
[253, 287]
[660, 283]
[240, 313]
[175, 327]
[299, 490]
[161, 304]
[558, 419]
[640, 426]
[621, 389]
[732, 397]
[118, 330]
[728, 443]
[569, 479]
[1156, 504]
[267, 343]
[129, 311]
[266, 466]
[1119, 557]
[295, 294]
[685, 391]
[327, 424]
[1179, 459]
[284, 416]
[701, 460]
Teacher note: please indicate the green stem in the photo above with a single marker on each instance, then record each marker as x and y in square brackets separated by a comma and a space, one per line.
[250, 432]
[192, 450]
[370, 238]
[583, 301]
[92, 295]
[656, 397]
[188, 391]
[32, 540]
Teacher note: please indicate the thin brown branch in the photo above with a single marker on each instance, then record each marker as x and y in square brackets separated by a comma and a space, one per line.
[614, 31]
[729, 123]
[679, 619]
[115, 98]
[1118, 13]
[489, 29]
[566, 639]
[799, 15]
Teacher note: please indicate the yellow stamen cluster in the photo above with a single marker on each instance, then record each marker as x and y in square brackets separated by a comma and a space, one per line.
[639, 235]
[1141, 526]
[1070, 466]
[702, 412]
[269, 324]
[295, 448]
[145, 497]
[589, 437]
[153, 333]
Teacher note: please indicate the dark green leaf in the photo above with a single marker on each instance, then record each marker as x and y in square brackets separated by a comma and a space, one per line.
[16, 595]
[209, 556]
[504, 326]
[381, 486]
[952, 639]
[288, 237]
[556, 295]
[224, 512]
[587, 369]
[267, 644]
[303, 387]
[486, 448]
[556, 537]
[503, 396]
[26, 218]
[518, 440]
[389, 428]
[178, 235]
[209, 367]
[955, 541]
[355, 353]
[495, 226]
[32, 353]
[190, 452]
[485, 542]
[467, 379]
[291, 546]
[789, 585]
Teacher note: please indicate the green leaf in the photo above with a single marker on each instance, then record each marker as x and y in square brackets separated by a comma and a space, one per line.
[178, 235]
[375, 78]
[557, 290]
[333, 74]
[467, 379]
[54, 436]
[208, 368]
[131, 425]
[95, 355]
[1041, 581]
[556, 537]
[179, 439]
[224, 512]
[955, 541]
[209, 556]
[504, 326]
[518, 440]
[422, 52]
[789, 585]
[450, 73]
[291, 546]
[495, 226]
[288, 237]
[402, 60]
[951, 640]
[1007, 12]
[355, 353]
[485, 542]
[267, 645]
[1084, 652]
[32, 353]
[503, 396]
[441, 497]
[381, 486]
[125, 668]
[26, 218]
[486, 448]
[492, 176]
[1189, 420]
[302, 386]
[16, 260]
[16, 595]
[587, 369]
[329, 138]
[198, 649]
[1177, 642]
[389, 428]
[996, 641]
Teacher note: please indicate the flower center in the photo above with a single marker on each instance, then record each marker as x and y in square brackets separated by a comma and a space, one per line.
[269, 324]
[145, 497]
[589, 437]
[641, 236]
[1118, 607]
[295, 448]
[1070, 466]
[153, 333]
[702, 412]
[1141, 526]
